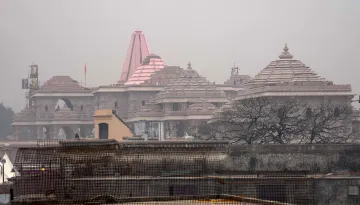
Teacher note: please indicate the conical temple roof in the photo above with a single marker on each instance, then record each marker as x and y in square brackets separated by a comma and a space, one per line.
[138, 50]
[190, 85]
[149, 66]
[285, 69]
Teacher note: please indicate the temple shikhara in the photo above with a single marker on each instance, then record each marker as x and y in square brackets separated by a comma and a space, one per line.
[164, 101]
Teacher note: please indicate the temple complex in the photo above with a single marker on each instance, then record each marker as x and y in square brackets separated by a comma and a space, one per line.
[166, 102]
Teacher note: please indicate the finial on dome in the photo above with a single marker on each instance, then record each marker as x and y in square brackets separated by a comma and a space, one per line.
[189, 65]
[286, 49]
[285, 54]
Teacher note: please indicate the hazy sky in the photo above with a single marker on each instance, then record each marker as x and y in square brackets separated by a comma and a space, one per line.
[60, 36]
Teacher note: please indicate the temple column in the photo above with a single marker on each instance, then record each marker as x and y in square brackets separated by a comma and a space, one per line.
[173, 129]
[161, 131]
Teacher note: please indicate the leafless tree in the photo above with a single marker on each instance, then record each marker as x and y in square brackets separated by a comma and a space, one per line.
[244, 121]
[263, 121]
[286, 122]
[328, 123]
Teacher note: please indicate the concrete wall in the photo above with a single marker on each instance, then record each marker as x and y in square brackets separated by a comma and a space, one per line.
[316, 158]
[320, 158]
[342, 190]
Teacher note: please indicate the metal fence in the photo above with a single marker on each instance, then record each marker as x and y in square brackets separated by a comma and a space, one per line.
[108, 172]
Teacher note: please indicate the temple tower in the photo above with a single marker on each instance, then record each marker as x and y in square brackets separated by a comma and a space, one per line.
[137, 52]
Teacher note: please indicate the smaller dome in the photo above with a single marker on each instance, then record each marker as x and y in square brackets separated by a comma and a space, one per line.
[151, 64]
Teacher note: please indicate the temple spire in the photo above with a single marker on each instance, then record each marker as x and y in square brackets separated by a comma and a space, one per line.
[285, 54]
[137, 52]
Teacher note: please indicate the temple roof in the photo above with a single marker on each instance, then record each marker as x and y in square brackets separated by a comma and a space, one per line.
[62, 84]
[137, 51]
[165, 76]
[151, 64]
[190, 85]
[285, 69]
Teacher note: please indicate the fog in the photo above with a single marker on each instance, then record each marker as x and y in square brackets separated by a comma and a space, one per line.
[60, 36]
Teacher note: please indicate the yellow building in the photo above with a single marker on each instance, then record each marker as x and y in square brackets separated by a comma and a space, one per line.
[108, 125]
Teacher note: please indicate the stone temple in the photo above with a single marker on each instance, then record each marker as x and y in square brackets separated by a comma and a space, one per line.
[168, 102]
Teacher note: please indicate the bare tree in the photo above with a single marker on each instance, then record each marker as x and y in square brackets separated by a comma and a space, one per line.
[243, 122]
[286, 122]
[328, 123]
[263, 121]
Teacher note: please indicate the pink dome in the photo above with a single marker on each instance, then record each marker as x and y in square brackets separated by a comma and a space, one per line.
[151, 64]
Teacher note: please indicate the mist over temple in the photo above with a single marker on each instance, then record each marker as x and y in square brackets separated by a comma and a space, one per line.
[165, 101]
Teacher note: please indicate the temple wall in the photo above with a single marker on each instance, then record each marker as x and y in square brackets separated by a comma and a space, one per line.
[136, 99]
[107, 101]
[87, 103]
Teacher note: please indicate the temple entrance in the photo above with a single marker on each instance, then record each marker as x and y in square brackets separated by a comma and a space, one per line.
[103, 131]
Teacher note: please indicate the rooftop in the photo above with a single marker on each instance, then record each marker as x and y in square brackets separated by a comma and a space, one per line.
[62, 84]
[189, 85]
[285, 69]
[151, 64]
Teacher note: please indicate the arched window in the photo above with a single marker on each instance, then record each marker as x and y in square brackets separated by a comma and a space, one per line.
[143, 103]
[115, 104]
[46, 108]
[81, 107]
